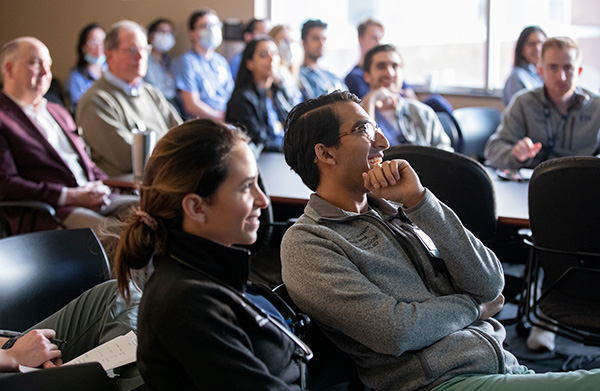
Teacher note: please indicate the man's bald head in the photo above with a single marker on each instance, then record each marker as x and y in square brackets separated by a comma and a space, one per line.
[25, 64]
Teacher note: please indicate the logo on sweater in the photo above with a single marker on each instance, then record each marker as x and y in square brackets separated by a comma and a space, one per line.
[366, 239]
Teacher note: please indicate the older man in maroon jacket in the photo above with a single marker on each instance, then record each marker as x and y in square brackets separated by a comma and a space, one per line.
[41, 156]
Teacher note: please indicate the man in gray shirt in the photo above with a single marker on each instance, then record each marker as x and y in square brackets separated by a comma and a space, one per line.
[388, 271]
[555, 120]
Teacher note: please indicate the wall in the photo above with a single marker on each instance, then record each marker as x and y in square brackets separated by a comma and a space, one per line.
[457, 100]
[57, 22]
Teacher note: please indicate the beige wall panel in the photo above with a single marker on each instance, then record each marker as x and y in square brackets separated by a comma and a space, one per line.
[58, 22]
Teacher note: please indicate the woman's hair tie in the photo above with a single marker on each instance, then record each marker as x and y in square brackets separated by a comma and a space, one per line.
[147, 219]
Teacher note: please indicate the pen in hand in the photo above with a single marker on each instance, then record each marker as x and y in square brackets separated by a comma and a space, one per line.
[12, 334]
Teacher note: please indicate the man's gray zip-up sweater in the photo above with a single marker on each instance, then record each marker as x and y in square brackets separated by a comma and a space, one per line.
[532, 114]
[407, 324]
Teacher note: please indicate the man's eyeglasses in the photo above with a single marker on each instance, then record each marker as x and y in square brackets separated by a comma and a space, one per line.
[369, 129]
[134, 50]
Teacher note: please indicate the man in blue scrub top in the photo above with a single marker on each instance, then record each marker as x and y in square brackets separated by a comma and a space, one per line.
[203, 76]
[315, 80]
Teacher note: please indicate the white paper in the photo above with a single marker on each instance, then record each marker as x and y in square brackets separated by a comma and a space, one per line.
[112, 354]
[24, 369]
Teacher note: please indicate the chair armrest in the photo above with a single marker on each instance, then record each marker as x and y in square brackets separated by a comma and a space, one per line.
[39, 206]
[30, 204]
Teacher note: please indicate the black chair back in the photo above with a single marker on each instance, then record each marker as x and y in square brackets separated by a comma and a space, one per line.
[41, 272]
[88, 377]
[564, 206]
[458, 181]
[564, 213]
[476, 125]
[452, 130]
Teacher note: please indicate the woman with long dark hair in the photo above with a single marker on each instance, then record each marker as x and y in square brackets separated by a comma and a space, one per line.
[257, 102]
[527, 56]
[90, 62]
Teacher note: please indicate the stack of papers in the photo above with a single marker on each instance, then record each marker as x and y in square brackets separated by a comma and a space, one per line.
[112, 354]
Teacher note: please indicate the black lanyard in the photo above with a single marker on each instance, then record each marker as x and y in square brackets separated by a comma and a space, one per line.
[549, 132]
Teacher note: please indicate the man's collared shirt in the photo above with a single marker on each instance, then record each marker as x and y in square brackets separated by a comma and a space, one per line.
[132, 89]
[318, 81]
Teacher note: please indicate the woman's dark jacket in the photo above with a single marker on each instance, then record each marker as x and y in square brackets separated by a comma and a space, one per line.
[248, 107]
[196, 334]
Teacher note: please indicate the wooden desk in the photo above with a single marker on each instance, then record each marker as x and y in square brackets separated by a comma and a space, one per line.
[285, 186]
[281, 183]
[121, 182]
[511, 201]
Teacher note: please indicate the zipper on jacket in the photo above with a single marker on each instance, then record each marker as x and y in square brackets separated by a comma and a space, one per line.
[494, 344]
[402, 238]
[424, 364]
[407, 241]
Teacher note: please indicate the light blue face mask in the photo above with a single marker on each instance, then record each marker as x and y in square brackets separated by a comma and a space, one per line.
[92, 60]
[163, 42]
[211, 38]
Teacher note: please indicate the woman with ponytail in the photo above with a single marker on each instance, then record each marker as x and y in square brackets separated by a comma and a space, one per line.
[201, 325]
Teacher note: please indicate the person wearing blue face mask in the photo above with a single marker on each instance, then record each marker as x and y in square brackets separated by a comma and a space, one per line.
[203, 77]
[161, 37]
[90, 62]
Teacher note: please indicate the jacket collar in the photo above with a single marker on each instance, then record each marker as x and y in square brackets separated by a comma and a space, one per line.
[319, 209]
[579, 98]
[8, 105]
[229, 265]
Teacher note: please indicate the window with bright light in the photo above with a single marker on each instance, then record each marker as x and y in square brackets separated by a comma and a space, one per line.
[452, 45]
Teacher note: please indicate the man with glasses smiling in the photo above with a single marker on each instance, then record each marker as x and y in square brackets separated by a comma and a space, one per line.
[121, 101]
[203, 76]
[388, 271]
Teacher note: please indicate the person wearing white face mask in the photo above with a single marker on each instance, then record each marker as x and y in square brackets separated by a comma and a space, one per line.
[290, 58]
[90, 62]
[203, 77]
[161, 35]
